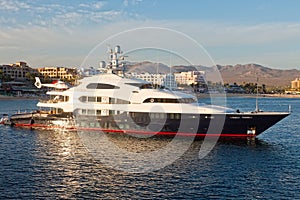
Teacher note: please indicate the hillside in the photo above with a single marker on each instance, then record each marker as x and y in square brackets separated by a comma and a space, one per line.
[250, 73]
[152, 68]
[230, 73]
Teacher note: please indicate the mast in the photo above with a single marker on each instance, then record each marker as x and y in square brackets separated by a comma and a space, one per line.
[115, 65]
[256, 108]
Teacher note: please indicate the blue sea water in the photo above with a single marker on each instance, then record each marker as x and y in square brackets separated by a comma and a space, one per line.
[57, 165]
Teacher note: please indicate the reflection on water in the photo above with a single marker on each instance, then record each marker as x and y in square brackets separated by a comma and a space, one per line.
[57, 165]
[46, 163]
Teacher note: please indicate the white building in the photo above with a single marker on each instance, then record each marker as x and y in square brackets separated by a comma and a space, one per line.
[172, 80]
[155, 79]
[169, 82]
[190, 77]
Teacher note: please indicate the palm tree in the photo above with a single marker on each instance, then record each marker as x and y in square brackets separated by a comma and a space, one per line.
[1, 75]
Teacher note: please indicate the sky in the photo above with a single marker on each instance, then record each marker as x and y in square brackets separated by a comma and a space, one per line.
[77, 33]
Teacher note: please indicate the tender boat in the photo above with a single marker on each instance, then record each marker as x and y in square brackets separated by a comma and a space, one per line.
[5, 119]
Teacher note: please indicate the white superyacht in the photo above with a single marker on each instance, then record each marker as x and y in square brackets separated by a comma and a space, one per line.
[111, 102]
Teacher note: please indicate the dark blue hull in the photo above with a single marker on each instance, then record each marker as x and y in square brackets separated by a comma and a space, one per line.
[229, 124]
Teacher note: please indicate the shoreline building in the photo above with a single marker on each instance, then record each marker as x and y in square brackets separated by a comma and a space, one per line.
[190, 77]
[155, 79]
[295, 87]
[16, 79]
[18, 71]
[295, 84]
[58, 72]
[165, 80]
[171, 81]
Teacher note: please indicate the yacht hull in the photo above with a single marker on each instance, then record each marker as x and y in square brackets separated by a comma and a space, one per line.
[224, 125]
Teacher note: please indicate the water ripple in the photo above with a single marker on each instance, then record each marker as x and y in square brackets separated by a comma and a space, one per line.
[56, 165]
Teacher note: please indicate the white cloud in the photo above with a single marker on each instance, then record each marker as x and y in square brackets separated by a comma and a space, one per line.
[105, 16]
[96, 5]
[73, 19]
[125, 3]
[13, 5]
[136, 2]
[53, 14]
[65, 44]
[67, 19]
[217, 34]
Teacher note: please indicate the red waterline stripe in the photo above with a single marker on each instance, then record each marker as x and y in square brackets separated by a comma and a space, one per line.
[137, 131]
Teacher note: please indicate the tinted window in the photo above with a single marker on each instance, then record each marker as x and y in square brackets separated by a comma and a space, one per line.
[141, 85]
[91, 99]
[162, 100]
[101, 86]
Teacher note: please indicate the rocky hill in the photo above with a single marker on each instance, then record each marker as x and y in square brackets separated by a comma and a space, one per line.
[153, 68]
[230, 73]
[250, 73]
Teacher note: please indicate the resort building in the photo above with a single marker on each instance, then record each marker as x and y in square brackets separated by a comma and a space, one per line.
[190, 77]
[155, 79]
[18, 71]
[58, 72]
[165, 80]
[295, 84]
[295, 87]
[171, 81]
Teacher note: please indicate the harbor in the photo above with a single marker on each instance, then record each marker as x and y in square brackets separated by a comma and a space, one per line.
[136, 99]
[56, 164]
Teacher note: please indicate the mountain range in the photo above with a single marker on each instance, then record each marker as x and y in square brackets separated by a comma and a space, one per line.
[239, 73]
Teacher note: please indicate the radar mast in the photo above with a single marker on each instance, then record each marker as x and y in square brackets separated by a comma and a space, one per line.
[115, 65]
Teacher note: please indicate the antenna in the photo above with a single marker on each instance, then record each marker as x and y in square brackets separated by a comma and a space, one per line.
[170, 67]
[257, 109]
[116, 64]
